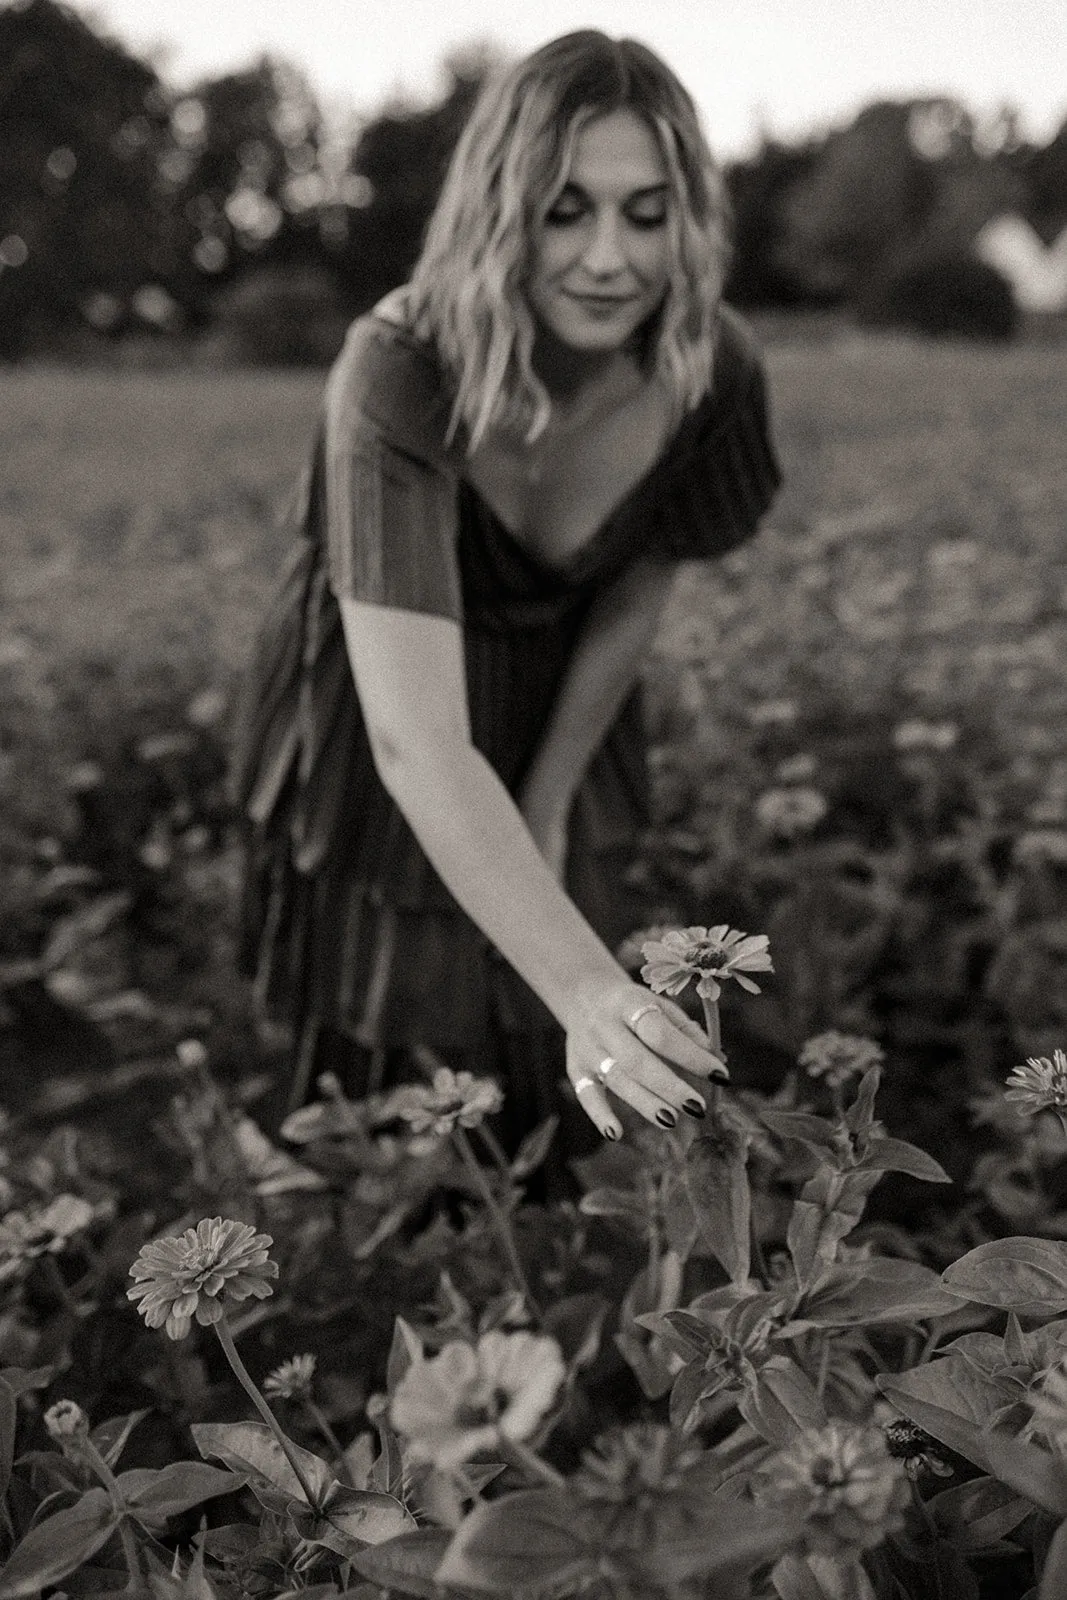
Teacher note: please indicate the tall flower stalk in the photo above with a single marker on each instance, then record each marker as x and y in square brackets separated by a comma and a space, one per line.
[192, 1276]
[449, 1105]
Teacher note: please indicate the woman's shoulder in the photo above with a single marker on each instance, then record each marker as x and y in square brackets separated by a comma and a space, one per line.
[390, 376]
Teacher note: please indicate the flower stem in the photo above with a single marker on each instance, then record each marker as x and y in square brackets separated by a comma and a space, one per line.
[322, 1424]
[497, 1217]
[130, 1553]
[225, 1338]
[714, 1033]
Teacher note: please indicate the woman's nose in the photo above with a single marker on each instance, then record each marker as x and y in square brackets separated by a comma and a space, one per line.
[604, 254]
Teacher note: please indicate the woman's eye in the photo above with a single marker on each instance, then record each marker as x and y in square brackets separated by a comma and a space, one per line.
[566, 211]
[648, 219]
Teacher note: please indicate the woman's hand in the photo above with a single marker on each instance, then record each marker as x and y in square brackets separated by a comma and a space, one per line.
[622, 1043]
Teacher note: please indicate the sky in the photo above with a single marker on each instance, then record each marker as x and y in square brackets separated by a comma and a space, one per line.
[784, 68]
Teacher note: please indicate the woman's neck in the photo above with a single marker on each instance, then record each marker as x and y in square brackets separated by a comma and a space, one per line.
[581, 380]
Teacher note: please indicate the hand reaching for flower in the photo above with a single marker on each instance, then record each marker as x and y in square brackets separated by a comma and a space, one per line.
[622, 1043]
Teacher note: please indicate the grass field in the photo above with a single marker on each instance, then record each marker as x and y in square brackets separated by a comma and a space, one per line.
[921, 540]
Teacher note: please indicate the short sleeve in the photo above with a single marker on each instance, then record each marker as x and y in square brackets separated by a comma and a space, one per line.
[390, 487]
[727, 472]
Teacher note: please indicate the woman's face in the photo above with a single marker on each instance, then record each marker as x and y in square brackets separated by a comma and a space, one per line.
[600, 258]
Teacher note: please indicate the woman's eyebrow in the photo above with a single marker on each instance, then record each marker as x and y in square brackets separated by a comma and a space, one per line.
[643, 193]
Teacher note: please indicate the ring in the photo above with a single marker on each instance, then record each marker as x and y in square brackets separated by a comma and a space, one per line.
[604, 1067]
[642, 1011]
[585, 1082]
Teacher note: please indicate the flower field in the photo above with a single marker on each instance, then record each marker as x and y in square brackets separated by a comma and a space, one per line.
[812, 1346]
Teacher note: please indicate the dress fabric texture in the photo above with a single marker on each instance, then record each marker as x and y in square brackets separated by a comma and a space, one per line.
[345, 925]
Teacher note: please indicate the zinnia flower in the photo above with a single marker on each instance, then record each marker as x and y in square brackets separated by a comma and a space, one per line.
[291, 1380]
[453, 1098]
[788, 812]
[196, 1273]
[455, 1404]
[839, 1057]
[708, 954]
[845, 1482]
[1039, 1085]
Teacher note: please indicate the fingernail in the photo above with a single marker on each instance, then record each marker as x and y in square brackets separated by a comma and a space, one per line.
[720, 1072]
[666, 1119]
[610, 1133]
[695, 1108]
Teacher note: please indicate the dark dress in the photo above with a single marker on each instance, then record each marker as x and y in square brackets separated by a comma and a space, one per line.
[348, 931]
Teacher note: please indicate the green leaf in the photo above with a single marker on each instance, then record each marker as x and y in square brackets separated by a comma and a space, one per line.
[59, 1545]
[1021, 1274]
[979, 1514]
[896, 1155]
[860, 1114]
[793, 1579]
[251, 1448]
[814, 1132]
[782, 1400]
[716, 1177]
[110, 1437]
[1028, 1470]
[709, 1536]
[1054, 1574]
[883, 1289]
[536, 1542]
[533, 1149]
[356, 1517]
[154, 1494]
[407, 1564]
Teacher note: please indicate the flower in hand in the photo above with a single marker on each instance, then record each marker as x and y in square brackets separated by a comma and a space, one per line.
[711, 955]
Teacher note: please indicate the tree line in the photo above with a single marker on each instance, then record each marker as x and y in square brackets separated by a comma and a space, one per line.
[231, 212]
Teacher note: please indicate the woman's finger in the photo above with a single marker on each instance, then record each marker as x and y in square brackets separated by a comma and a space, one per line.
[656, 1095]
[594, 1102]
[664, 1035]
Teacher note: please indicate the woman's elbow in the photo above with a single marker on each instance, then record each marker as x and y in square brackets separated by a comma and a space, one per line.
[412, 767]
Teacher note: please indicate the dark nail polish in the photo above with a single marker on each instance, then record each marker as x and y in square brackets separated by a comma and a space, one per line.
[694, 1108]
[609, 1133]
[665, 1118]
[720, 1075]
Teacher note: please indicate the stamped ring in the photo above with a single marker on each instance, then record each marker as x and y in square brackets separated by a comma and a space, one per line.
[642, 1011]
[604, 1067]
[585, 1082]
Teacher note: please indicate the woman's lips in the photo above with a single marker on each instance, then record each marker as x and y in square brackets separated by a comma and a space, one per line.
[599, 302]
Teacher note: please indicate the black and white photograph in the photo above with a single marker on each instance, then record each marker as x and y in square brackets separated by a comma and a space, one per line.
[533, 800]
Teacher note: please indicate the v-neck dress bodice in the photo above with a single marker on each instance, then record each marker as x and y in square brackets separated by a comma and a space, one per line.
[344, 920]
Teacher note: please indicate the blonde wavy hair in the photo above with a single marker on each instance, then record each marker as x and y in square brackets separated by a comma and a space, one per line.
[466, 293]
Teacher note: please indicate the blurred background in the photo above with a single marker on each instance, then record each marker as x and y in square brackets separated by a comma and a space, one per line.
[235, 183]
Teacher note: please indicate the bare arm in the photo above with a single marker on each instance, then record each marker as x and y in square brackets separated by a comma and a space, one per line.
[409, 674]
[618, 633]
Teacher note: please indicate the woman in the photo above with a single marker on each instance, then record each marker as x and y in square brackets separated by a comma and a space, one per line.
[443, 765]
